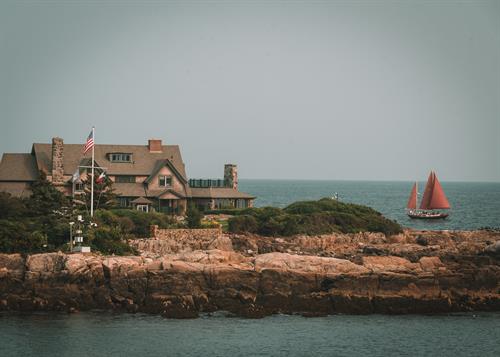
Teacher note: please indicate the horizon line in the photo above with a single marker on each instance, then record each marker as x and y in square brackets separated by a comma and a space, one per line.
[358, 180]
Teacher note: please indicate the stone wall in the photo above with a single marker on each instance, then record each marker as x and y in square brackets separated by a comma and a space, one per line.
[168, 241]
[180, 234]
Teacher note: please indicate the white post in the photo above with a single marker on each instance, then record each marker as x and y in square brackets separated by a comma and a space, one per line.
[92, 182]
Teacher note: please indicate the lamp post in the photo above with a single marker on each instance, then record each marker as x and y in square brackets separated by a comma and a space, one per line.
[79, 235]
[71, 236]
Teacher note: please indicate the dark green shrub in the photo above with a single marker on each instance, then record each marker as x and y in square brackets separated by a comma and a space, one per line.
[245, 223]
[110, 240]
[18, 237]
[138, 223]
[193, 217]
[315, 217]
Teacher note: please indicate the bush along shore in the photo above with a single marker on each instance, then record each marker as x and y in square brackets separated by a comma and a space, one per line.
[41, 222]
[312, 258]
[311, 218]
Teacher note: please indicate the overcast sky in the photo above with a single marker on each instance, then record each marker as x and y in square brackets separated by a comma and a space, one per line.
[369, 90]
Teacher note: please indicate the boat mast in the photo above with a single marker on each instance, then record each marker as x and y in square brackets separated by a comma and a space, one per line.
[416, 196]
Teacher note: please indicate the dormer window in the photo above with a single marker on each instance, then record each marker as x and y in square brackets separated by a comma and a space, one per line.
[165, 181]
[120, 157]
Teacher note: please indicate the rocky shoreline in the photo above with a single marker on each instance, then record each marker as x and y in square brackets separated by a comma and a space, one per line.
[252, 276]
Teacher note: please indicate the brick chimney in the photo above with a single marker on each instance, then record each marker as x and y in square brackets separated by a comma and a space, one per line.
[154, 145]
[231, 176]
[57, 161]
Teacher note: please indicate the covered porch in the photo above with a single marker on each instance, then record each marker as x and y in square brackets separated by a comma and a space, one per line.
[170, 202]
[142, 204]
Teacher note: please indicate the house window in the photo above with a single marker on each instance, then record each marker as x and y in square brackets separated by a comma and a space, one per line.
[124, 201]
[79, 187]
[165, 181]
[125, 179]
[120, 157]
[143, 208]
[221, 203]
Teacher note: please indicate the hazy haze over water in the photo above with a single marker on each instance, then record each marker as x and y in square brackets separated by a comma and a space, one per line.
[370, 90]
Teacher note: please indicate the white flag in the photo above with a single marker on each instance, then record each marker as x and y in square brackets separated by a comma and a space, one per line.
[76, 175]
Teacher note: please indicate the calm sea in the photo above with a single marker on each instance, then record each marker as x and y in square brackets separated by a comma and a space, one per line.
[104, 334]
[474, 205]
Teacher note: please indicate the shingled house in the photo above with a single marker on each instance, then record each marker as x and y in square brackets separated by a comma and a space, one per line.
[145, 177]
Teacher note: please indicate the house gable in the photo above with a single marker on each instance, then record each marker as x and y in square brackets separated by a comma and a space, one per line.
[165, 169]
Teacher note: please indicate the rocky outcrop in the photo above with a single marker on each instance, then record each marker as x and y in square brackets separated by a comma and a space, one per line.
[396, 275]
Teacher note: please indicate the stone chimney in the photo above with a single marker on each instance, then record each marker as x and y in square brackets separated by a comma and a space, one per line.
[231, 176]
[57, 161]
[154, 145]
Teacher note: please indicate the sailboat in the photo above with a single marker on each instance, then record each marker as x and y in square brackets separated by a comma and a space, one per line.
[433, 199]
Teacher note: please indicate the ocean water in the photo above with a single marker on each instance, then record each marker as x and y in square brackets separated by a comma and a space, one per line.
[473, 205]
[106, 334]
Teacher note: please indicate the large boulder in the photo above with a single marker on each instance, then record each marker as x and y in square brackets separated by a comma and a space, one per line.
[307, 264]
[12, 266]
[46, 262]
[390, 264]
[493, 249]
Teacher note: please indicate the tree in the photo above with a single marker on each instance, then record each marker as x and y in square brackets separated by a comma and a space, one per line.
[104, 195]
[45, 199]
[48, 210]
[11, 207]
[193, 216]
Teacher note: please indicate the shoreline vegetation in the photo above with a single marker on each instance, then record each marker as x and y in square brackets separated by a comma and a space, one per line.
[41, 222]
[311, 218]
[312, 258]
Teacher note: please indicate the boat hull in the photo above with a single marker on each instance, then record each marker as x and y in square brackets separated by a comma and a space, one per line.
[423, 215]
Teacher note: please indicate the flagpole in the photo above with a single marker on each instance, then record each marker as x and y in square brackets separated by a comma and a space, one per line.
[92, 182]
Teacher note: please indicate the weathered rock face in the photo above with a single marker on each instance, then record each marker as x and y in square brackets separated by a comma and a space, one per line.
[411, 245]
[396, 276]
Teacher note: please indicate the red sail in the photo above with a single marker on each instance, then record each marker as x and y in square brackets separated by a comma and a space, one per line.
[426, 199]
[434, 197]
[412, 201]
[438, 199]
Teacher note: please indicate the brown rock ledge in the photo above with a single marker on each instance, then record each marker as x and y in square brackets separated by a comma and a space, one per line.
[442, 272]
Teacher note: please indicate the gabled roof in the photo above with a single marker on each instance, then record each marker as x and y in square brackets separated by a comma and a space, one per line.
[173, 192]
[218, 192]
[162, 163]
[138, 189]
[18, 167]
[143, 161]
[142, 201]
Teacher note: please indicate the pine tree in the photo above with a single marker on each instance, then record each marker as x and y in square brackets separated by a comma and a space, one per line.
[104, 193]
[45, 199]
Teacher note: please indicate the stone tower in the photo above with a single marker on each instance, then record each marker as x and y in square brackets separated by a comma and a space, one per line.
[57, 161]
[231, 176]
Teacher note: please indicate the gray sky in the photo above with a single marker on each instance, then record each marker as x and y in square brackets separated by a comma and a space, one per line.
[368, 90]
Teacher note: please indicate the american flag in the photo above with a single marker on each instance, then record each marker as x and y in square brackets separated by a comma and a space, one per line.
[90, 142]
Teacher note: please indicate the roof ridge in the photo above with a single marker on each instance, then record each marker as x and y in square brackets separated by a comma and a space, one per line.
[136, 145]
